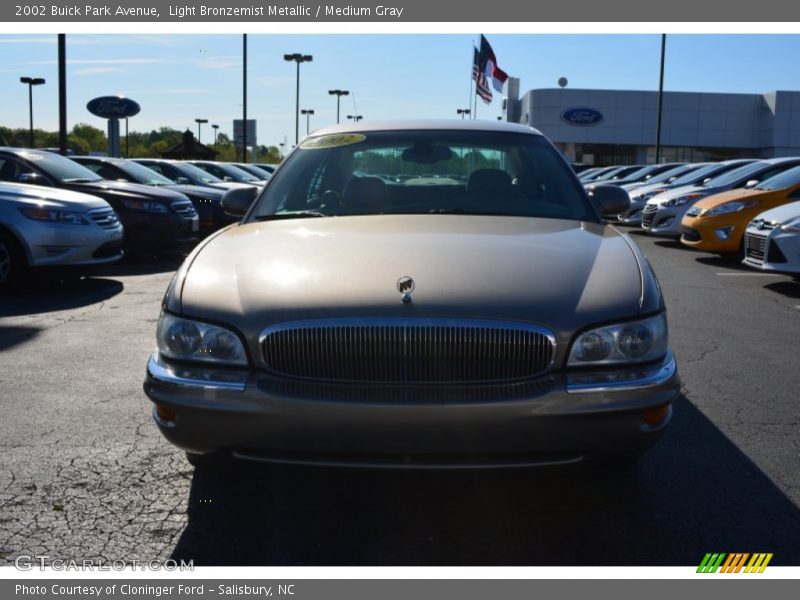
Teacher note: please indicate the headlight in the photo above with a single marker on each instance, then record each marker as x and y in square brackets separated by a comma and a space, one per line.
[683, 200]
[66, 217]
[630, 342]
[728, 207]
[184, 339]
[792, 226]
[154, 207]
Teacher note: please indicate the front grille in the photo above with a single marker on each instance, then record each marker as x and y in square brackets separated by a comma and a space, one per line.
[400, 350]
[690, 235]
[184, 209]
[648, 213]
[105, 218]
[754, 246]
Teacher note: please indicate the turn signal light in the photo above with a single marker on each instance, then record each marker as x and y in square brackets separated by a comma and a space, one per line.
[656, 416]
[165, 413]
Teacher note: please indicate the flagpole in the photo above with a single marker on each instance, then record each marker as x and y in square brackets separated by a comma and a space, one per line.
[475, 95]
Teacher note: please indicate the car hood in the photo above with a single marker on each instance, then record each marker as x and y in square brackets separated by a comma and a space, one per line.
[195, 190]
[52, 197]
[731, 195]
[638, 192]
[107, 187]
[679, 192]
[560, 274]
[782, 214]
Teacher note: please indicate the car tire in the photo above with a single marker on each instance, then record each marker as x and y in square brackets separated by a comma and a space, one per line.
[13, 263]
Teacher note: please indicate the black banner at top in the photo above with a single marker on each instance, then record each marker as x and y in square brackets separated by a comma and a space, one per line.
[479, 11]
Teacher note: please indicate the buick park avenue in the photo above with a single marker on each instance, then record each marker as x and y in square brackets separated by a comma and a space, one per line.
[415, 294]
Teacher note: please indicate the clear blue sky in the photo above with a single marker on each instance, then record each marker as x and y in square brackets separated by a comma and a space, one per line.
[178, 77]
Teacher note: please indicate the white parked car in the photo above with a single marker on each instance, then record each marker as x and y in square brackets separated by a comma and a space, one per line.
[43, 226]
[772, 240]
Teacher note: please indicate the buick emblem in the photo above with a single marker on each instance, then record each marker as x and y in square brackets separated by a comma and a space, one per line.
[405, 285]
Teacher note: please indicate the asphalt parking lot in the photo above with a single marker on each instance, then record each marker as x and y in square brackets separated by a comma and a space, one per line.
[85, 474]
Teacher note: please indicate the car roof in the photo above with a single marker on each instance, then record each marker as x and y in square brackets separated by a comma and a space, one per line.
[426, 124]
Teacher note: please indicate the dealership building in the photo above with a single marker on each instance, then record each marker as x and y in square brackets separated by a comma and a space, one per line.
[603, 127]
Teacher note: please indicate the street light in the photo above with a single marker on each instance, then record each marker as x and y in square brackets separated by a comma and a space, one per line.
[298, 58]
[463, 112]
[355, 118]
[31, 81]
[215, 127]
[282, 144]
[199, 123]
[307, 113]
[338, 94]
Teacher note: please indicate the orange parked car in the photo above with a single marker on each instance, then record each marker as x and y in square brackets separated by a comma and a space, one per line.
[717, 223]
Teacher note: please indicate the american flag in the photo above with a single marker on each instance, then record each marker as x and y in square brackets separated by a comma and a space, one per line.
[482, 88]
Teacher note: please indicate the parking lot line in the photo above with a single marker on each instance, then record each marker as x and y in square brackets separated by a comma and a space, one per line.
[750, 275]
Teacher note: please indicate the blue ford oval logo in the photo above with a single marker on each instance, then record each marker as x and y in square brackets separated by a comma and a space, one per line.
[582, 116]
[113, 107]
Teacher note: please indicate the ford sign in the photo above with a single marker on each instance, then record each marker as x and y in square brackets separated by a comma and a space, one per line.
[113, 107]
[582, 116]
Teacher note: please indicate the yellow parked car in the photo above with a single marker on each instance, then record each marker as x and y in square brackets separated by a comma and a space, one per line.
[718, 223]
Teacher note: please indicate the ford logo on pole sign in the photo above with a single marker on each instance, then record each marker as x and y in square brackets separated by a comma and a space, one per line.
[582, 116]
[113, 107]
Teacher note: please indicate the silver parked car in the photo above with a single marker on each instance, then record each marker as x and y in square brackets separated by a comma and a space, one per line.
[43, 226]
[471, 309]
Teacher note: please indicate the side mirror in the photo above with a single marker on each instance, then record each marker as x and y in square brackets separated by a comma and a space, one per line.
[751, 184]
[237, 201]
[227, 178]
[182, 180]
[609, 199]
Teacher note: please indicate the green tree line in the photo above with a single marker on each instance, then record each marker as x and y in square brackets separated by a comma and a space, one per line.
[84, 139]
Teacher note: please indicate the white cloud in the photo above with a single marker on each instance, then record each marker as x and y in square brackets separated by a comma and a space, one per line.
[103, 61]
[93, 71]
[28, 40]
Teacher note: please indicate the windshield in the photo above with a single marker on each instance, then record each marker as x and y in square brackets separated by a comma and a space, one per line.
[673, 172]
[615, 173]
[784, 180]
[141, 174]
[700, 174]
[61, 168]
[196, 173]
[421, 172]
[226, 170]
[257, 172]
[731, 177]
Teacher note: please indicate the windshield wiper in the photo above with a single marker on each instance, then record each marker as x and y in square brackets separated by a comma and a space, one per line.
[300, 214]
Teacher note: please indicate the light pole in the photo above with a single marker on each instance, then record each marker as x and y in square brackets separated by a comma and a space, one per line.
[31, 81]
[355, 118]
[199, 123]
[338, 94]
[282, 144]
[297, 58]
[307, 112]
[215, 127]
[463, 112]
[660, 98]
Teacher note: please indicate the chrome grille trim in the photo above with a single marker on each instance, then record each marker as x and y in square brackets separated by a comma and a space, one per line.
[105, 218]
[755, 246]
[648, 214]
[184, 209]
[408, 350]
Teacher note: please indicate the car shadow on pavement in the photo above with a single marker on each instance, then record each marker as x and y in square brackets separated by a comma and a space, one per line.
[16, 335]
[48, 293]
[788, 288]
[695, 492]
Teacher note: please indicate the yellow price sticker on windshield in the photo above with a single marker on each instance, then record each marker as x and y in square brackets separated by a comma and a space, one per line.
[332, 141]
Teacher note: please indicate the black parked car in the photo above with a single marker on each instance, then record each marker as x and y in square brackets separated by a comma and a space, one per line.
[184, 172]
[228, 172]
[206, 199]
[154, 219]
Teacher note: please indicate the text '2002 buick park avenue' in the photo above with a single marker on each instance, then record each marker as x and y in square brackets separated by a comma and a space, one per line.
[432, 294]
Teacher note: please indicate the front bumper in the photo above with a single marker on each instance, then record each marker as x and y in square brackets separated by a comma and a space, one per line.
[633, 214]
[159, 231]
[713, 234]
[667, 221]
[773, 251]
[49, 244]
[553, 419]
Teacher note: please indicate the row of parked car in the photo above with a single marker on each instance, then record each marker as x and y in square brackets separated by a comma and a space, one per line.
[88, 210]
[748, 209]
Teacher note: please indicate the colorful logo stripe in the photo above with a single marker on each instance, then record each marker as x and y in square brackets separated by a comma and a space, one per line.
[734, 562]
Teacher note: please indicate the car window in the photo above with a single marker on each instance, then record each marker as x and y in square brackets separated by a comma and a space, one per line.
[788, 177]
[133, 171]
[416, 172]
[743, 173]
[56, 166]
